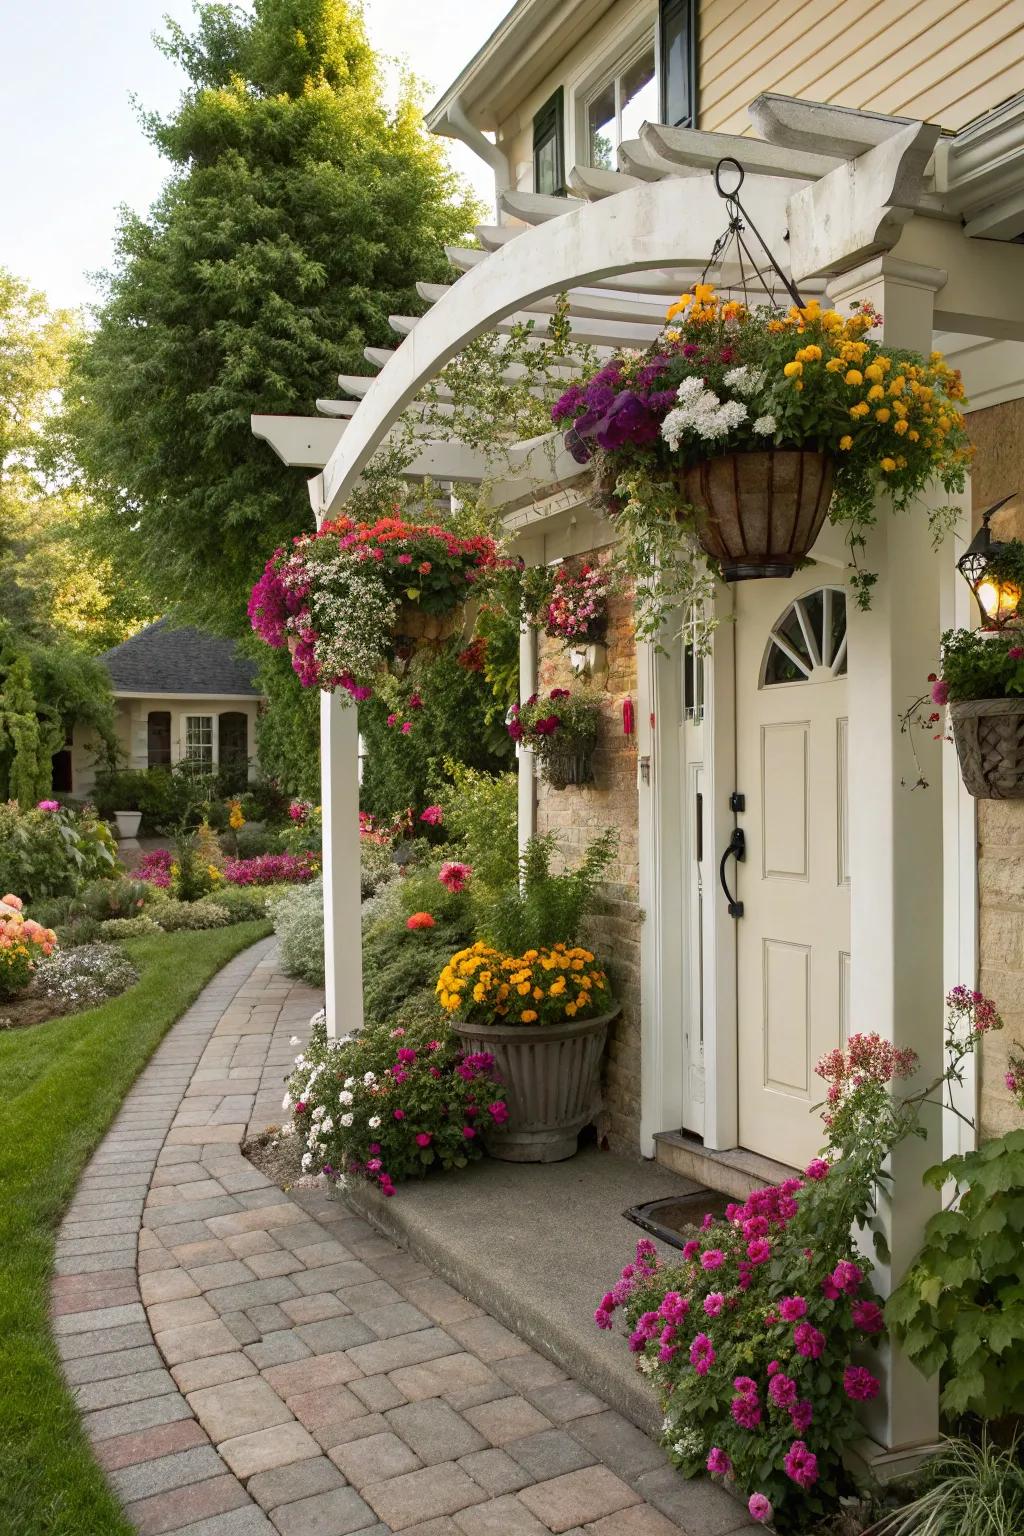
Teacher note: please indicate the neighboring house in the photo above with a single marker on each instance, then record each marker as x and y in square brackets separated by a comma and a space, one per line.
[181, 695]
[884, 158]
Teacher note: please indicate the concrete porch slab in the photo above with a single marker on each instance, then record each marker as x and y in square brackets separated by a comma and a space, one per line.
[537, 1246]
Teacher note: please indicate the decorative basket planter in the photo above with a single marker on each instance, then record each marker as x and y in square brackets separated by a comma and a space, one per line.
[418, 631]
[563, 769]
[989, 737]
[552, 1080]
[759, 513]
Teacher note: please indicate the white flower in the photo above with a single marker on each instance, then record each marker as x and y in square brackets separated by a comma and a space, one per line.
[307, 1158]
[344, 1097]
[319, 1112]
[288, 1129]
[746, 381]
[374, 1122]
[765, 425]
[327, 1125]
[286, 1102]
[350, 1082]
[369, 1078]
[319, 1017]
[346, 1121]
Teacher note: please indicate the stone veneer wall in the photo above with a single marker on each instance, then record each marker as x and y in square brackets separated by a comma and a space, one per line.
[998, 435]
[576, 815]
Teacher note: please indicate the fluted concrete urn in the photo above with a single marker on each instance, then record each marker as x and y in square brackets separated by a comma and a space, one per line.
[552, 1079]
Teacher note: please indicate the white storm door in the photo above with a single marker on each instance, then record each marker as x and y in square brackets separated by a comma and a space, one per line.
[793, 939]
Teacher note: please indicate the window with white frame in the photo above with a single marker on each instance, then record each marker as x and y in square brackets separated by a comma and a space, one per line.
[618, 107]
[199, 742]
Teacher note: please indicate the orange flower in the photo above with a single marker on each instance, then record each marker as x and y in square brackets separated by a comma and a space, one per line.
[420, 920]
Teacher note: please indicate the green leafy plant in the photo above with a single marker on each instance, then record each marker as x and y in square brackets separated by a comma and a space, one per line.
[562, 728]
[173, 916]
[972, 1489]
[545, 909]
[128, 927]
[52, 852]
[120, 897]
[298, 918]
[481, 818]
[391, 1102]
[979, 664]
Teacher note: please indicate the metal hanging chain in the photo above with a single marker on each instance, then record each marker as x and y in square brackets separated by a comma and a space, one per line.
[739, 222]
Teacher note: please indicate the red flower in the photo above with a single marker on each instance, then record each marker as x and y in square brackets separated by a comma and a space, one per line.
[420, 920]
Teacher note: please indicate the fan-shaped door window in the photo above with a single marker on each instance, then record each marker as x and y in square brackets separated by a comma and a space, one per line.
[808, 643]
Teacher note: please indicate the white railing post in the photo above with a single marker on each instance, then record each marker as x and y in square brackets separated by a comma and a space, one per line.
[339, 792]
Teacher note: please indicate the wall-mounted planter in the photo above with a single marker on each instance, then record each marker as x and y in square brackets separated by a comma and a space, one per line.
[589, 660]
[552, 1080]
[759, 513]
[989, 737]
[567, 768]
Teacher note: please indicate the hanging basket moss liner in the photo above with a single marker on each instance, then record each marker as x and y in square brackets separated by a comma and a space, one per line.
[989, 737]
[563, 769]
[551, 1075]
[415, 630]
[759, 513]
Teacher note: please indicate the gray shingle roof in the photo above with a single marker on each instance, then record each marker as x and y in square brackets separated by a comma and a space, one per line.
[160, 659]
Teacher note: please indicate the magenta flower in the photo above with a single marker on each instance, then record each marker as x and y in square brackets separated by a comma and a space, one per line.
[782, 1390]
[399, 1114]
[498, 1111]
[859, 1384]
[469, 1132]
[809, 1341]
[713, 1303]
[940, 692]
[453, 876]
[674, 1308]
[817, 1168]
[867, 1316]
[406, 727]
[759, 1508]
[759, 1251]
[691, 1249]
[423, 1139]
[712, 1258]
[702, 1354]
[719, 1464]
[801, 1415]
[801, 1465]
[407, 1055]
[847, 1277]
[433, 816]
[48, 805]
[746, 1411]
[792, 1309]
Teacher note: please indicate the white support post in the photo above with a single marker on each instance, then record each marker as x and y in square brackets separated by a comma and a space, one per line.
[339, 798]
[527, 759]
[896, 839]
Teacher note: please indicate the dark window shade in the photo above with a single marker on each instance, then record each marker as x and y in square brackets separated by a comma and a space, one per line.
[549, 147]
[678, 59]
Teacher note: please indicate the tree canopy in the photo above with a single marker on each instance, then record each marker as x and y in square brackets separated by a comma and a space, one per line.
[298, 214]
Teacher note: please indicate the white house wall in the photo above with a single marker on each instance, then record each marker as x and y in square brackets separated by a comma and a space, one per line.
[132, 727]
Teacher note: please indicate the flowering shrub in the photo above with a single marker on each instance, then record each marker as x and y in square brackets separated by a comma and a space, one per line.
[271, 869]
[73, 979]
[560, 724]
[128, 928]
[336, 596]
[722, 378]
[46, 853]
[155, 867]
[577, 610]
[390, 1103]
[760, 1340]
[546, 986]
[123, 897]
[977, 664]
[23, 944]
[173, 916]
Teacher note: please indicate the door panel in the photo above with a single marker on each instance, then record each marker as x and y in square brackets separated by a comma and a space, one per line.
[793, 940]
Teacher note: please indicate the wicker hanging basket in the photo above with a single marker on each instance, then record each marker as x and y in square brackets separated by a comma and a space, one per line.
[759, 513]
[561, 769]
[416, 631]
[989, 737]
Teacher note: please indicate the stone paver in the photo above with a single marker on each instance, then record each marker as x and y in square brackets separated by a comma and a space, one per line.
[255, 1363]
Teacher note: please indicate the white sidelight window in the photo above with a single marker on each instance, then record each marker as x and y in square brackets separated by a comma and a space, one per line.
[619, 106]
[199, 742]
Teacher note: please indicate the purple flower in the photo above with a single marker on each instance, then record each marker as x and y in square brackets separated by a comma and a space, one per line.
[719, 1464]
[759, 1508]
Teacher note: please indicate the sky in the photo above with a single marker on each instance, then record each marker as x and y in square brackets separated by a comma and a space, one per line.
[73, 150]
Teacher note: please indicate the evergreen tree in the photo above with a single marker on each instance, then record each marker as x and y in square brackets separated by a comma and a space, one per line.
[298, 215]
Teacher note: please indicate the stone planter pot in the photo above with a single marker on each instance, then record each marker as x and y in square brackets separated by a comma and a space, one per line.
[552, 1081]
[759, 513]
[989, 737]
[563, 769]
[128, 824]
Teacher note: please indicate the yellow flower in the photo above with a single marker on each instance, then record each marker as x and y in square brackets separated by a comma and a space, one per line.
[682, 303]
[883, 414]
[860, 409]
[793, 370]
[854, 376]
[888, 465]
[834, 365]
[900, 426]
[811, 354]
[897, 385]
[874, 372]
[876, 392]
[846, 442]
[528, 1015]
[523, 989]
[571, 1010]
[538, 994]
[704, 293]
[914, 436]
[479, 993]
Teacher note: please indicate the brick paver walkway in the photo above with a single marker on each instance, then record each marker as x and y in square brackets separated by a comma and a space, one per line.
[249, 1362]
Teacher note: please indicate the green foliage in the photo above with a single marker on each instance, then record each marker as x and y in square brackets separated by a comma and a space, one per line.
[960, 1308]
[191, 880]
[167, 797]
[120, 897]
[376, 866]
[481, 816]
[559, 724]
[977, 664]
[128, 928]
[52, 853]
[970, 1490]
[402, 965]
[399, 769]
[244, 903]
[298, 215]
[174, 916]
[44, 689]
[545, 909]
[298, 917]
[288, 730]
[25, 747]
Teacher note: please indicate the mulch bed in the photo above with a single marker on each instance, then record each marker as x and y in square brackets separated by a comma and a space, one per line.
[22, 1011]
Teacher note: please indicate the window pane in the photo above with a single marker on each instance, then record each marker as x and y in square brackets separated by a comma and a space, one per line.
[199, 740]
[675, 55]
[639, 96]
[547, 170]
[601, 133]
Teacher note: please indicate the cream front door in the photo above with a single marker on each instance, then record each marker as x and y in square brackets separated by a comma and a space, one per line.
[793, 939]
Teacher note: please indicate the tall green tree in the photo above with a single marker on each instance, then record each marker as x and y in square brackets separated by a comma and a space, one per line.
[298, 214]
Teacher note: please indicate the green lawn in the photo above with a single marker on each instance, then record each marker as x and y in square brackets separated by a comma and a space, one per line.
[61, 1084]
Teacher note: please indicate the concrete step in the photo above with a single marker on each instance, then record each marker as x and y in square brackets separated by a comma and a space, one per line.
[736, 1172]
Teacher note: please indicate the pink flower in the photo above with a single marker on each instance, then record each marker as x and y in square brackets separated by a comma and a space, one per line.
[415, 702]
[713, 1258]
[48, 805]
[399, 1114]
[746, 1410]
[801, 1465]
[719, 1464]
[406, 727]
[423, 1139]
[847, 1276]
[817, 1168]
[867, 1316]
[674, 1307]
[801, 1415]
[782, 1390]
[407, 1055]
[859, 1384]
[759, 1251]
[691, 1249]
[702, 1354]
[433, 816]
[809, 1341]
[498, 1111]
[453, 876]
[713, 1303]
[759, 1508]
[469, 1132]
[792, 1309]
[392, 719]
[375, 1165]
[404, 559]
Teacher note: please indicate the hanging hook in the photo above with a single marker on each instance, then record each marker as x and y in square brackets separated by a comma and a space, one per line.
[728, 160]
[739, 219]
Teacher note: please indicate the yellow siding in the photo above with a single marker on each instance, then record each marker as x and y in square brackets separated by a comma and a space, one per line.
[946, 61]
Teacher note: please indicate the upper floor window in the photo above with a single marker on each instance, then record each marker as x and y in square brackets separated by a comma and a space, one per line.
[677, 63]
[549, 147]
[619, 107]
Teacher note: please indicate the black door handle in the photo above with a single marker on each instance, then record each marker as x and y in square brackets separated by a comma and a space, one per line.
[737, 849]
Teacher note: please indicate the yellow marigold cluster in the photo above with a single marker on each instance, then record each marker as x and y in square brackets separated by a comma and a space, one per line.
[545, 986]
[236, 817]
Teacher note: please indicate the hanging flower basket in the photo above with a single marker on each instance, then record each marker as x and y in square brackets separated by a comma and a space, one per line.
[989, 738]
[562, 769]
[415, 630]
[561, 727]
[759, 513]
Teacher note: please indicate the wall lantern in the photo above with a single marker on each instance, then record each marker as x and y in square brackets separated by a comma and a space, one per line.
[994, 571]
